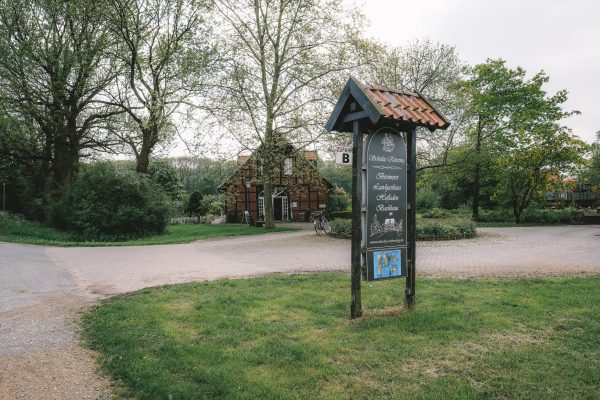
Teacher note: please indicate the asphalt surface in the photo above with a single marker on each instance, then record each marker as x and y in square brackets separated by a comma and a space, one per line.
[42, 289]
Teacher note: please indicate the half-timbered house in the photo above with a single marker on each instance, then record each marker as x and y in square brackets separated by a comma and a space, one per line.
[299, 190]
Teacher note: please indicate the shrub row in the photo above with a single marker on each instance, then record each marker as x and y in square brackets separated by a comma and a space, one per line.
[426, 229]
[341, 228]
[341, 214]
[449, 229]
[531, 216]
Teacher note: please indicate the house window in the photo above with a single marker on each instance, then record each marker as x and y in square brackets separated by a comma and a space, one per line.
[259, 168]
[287, 166]
[261, 205]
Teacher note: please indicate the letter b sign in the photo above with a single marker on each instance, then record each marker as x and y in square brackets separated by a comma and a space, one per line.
[343, 156]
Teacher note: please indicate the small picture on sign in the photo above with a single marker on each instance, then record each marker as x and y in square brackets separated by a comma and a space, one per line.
[387, 263]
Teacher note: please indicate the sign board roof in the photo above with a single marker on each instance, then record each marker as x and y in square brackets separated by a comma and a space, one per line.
[380, 104]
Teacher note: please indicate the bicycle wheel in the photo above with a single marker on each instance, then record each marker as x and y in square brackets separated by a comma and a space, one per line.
[317, 226]
[325, 226]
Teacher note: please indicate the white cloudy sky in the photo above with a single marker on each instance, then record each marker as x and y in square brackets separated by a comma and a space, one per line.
[562, 37]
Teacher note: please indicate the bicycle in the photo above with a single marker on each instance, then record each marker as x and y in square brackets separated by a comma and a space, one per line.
[321, 224]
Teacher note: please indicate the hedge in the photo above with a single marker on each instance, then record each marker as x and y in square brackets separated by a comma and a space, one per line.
[427, 229]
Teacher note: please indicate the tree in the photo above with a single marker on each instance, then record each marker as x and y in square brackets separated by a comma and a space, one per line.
[530, 159]
[54, 64]
[166, 58]
[282, 56]
[165, 175]
[591, 172]
[499, 103]
[195, 205]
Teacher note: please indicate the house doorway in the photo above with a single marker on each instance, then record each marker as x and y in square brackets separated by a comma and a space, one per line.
[281, 205]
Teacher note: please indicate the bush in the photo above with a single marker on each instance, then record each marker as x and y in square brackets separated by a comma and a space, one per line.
[195, 205]
[165, 175]
[437, 213]
[445, 229]
[109, 203]
[427, 199]
[426, 229]
[548, 216]
[341, 228]
[501, 215]
[339, 202]
[341, 215]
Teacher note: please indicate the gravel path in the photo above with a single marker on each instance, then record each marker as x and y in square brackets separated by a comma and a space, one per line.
[40, 356]
[43, 289]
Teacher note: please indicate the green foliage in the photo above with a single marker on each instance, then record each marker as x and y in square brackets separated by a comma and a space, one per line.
[426, 199]
[445, 229]
[195, 205]
[590, 173]
[19, 230]
[535, 215]
[437, 213]
[214, 204]
[110, 203]
[497, 215]
[437, 228]
[340, 176]
[339, 202]
[165, 175]
[289, 337]
[341, 228]
[203, 174]
[515, 133]
[341, 214]
[532, 215]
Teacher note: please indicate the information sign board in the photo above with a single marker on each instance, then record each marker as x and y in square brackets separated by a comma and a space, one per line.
[386, 189]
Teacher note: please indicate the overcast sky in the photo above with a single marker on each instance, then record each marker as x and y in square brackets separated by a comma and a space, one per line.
[562, 37]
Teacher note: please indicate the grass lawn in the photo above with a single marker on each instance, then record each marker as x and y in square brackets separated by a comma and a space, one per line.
[289, 337]
[22, 231]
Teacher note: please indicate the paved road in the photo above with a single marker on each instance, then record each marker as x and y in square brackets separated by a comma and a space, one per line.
[497, 252]
[43, 288]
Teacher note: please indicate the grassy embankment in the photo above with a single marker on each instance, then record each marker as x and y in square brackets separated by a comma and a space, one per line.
[22, 231]
[289, 337]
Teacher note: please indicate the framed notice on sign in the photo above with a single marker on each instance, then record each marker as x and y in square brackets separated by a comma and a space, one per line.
[386, 264]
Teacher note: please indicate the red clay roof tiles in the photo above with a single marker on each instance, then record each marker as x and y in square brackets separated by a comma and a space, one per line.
[404, 106]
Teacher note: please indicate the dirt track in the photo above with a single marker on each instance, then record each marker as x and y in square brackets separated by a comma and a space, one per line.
[42, 289]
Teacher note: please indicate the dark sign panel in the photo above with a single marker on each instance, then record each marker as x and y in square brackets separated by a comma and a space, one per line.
[386, 190]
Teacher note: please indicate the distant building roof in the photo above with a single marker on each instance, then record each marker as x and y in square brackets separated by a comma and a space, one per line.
[310, 155]
[242, 159]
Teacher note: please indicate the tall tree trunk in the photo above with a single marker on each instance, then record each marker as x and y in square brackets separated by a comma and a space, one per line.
[143, 160]
[143, 157]
[476, 175]
[42, 177]
[62, 163]
[267, 162]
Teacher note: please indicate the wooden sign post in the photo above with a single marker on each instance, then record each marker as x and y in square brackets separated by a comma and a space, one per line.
[383, 180]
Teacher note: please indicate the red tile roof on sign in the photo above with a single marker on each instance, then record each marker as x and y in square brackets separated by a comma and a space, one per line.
[404, 106]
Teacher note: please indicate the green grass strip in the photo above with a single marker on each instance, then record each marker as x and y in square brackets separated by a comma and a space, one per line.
[290, 337]
[22, 231]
